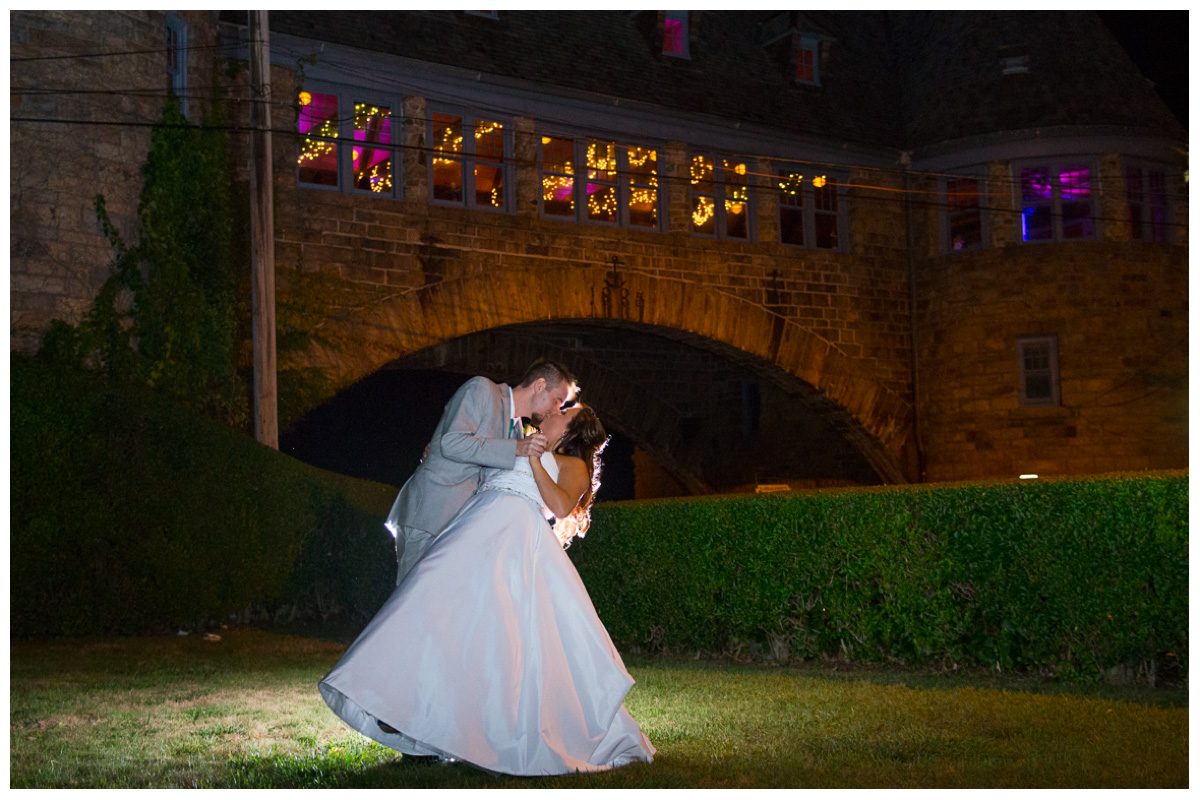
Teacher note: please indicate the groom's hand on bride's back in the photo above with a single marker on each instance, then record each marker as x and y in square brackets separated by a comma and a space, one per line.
[533, 445]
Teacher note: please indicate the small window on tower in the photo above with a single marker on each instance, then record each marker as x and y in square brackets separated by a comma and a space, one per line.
[675, 34]
[806, 65]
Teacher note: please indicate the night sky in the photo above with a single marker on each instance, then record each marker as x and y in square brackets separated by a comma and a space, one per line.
[377, 428]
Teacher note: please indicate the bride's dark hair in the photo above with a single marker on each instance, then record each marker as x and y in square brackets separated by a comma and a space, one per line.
[585, 438]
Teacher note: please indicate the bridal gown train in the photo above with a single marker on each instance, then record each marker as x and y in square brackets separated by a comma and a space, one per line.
[490, 651]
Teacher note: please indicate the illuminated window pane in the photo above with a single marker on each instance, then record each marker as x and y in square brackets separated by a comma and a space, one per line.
[675, 33]
[489, 185]
[372, 159]
[806, 66]
[318, 125]
[704, 218]
[558, 181]
[791, 207]
[601, 181]
[1075, 185]
[825, 215]
[1036, 205]
[643, 192]
[447, 169]
[702, 175]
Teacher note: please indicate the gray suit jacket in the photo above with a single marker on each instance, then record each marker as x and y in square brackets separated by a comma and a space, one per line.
[471, 435]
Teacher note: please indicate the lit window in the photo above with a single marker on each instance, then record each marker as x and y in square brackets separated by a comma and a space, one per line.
[675, 34]
[811, 213]
[1037, 368]
[1056, 203]
[371, 153]
[964, 217]
[721, 203]
[318, 125]
[806, 65]
[619, 184]
[362, 161]
[177, 59]
[470, 161]
[1146, 190]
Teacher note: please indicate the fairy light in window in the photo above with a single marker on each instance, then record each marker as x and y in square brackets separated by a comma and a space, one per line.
[316, 148]
[705, 208]
[449, 144]
[793, 184]
[380, 183]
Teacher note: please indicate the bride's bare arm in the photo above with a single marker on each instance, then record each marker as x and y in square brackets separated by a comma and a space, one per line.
[562, 497]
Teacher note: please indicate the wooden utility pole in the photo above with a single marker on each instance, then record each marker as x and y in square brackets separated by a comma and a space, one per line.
[262, 236]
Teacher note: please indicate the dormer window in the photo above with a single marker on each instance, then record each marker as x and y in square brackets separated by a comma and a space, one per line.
[806, 65]
[806, 60]
[675, 34]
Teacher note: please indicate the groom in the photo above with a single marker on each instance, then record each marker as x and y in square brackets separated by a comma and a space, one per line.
[480, 427]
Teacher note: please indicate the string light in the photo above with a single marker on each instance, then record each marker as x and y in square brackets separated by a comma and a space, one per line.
[703, 212]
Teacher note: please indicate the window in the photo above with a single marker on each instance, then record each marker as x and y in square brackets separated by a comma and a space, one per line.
[964, 216]
[177, 59]
[1037, 367]
[806, 65]
[811, 213]
[675, 34]
[1056, 202]
[721, 204]
[318, 125]
[471, 161]
[324, 151]
[619, 184]
[1146, 190]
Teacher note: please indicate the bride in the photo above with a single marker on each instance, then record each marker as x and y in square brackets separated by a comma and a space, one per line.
[490, 651]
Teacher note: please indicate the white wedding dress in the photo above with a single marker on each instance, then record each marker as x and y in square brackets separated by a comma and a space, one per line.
[490, 651]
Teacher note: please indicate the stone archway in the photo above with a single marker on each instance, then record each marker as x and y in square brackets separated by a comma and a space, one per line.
[389, 325]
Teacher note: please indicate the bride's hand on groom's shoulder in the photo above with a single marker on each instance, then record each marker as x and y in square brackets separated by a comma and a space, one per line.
[532, 446]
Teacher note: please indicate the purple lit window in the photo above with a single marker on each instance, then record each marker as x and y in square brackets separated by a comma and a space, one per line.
[675, 33]
[1146, 192]
[964, 216]
[470, 161]
[601, 187]
[1056, 203]
[318, 126]
[1076, 188]
[721, 202]
[372, 155]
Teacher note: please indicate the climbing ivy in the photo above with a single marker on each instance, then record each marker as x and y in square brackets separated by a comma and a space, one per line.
[168, 313]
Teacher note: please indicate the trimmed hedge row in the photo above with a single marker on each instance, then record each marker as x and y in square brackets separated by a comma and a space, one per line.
[1085, 574]
[129, 513]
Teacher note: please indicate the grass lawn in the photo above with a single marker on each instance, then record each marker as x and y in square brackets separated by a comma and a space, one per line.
[244, 712]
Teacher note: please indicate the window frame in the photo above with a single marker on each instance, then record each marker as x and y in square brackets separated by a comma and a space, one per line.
[1145, 168]
[1056, 167]
[720, 199]
[177, 75]
[625, 184]
[682, 18]
[808, 44]
[808, 206]
[469, 120]
[1052, 370]
[344, 142]
[946, 212]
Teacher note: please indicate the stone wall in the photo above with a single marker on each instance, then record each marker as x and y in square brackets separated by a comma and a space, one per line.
[1119, 311]
[112, 66]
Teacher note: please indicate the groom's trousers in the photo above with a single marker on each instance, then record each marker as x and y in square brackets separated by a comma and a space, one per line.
[411, 544]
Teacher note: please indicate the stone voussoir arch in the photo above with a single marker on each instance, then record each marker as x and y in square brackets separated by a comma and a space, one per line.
[393, 324]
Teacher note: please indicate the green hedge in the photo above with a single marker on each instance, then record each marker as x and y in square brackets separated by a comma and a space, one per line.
[130, 513]
[1081, 574]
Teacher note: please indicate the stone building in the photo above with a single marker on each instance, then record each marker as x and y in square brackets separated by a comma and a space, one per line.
[777, 247]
